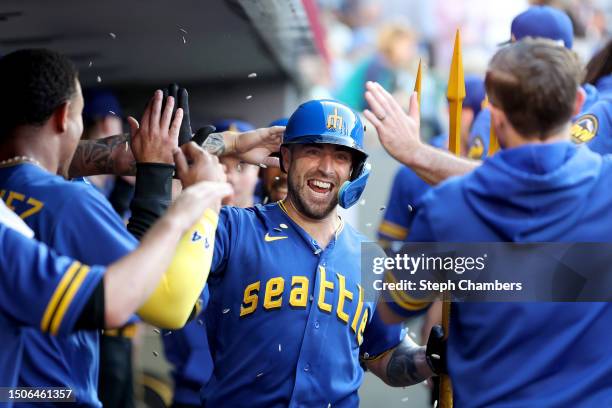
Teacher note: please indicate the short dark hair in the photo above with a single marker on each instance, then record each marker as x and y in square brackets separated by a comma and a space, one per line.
[33, 82]
[534, 81]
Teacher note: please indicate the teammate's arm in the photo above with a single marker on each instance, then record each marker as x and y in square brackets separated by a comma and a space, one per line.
[399, 135]
[113, 155]
[167, 303]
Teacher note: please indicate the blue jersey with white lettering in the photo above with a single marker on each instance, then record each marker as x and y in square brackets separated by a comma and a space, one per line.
[77, 221]
[526, 354]
[287, 320]
[33, 284]
[594, 125]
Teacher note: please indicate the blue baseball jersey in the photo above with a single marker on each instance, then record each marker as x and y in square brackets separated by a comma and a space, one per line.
[594, 125]
[188, 353]
[77, 221]
[404, 199]
[526, 354]
[287, 320]
[37, 289]
[478, 142]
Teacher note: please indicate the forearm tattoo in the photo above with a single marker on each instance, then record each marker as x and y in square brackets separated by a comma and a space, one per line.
[407, 365]
[214, 144]
[95, 157]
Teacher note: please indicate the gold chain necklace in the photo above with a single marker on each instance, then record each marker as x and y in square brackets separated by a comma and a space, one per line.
[18, 160]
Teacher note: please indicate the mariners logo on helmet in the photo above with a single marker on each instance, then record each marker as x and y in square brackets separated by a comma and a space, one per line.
[336, 122]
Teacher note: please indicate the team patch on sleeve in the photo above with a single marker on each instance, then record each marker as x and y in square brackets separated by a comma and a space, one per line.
[585, 128]
[476, 150]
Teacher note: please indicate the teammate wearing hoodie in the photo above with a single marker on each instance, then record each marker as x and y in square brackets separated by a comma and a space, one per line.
[540, 188]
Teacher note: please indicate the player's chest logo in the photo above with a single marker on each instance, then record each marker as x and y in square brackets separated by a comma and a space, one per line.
[332, 296]
[272, 238]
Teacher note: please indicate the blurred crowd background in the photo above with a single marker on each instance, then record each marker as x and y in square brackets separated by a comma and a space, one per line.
[383, 40]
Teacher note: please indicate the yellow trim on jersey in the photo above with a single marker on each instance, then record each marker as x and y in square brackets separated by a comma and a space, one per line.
[403, 299]
[67, 299]
[57, 295]
[393, 230]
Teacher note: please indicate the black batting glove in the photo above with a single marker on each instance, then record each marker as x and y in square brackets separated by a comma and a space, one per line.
[436, 350]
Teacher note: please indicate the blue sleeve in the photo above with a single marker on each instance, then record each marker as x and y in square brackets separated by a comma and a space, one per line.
[593, 127]
[397, 218]
[400, 302]
[380, 337]
[223, 238]
[478, 143]
[39, 288]
[92, 230]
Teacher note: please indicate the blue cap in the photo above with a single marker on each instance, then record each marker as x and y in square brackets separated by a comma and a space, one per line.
[544, 22]
[279, 122]
[233, 125]
[100, 103]
[474, 93]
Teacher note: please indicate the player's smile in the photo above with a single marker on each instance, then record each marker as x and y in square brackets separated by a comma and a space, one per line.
[320, 187]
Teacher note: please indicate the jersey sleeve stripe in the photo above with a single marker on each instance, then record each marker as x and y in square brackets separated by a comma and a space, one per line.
[402, 299]
[393, 230]
[57, 295]
[67, 299]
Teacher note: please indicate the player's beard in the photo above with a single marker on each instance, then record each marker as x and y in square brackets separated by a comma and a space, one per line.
[296, 195]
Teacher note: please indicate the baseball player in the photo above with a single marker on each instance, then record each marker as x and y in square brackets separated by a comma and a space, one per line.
[540, 188]
[287, 321]
[536, 21]
[596, 119]
[39, 137]
[59, 295]
[242, 177]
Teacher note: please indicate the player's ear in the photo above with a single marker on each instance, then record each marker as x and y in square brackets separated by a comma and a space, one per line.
[500, 124]
[580, 98]
[285, 157]
[59, 117]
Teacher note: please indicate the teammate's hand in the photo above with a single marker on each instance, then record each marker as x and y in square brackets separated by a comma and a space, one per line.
[191, 203]
[255, 146]
[181, 97]
[436, 350]
[194, 165]
[154, 140]
[398, 132]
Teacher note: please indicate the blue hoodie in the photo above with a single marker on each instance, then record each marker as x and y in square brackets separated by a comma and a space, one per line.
[594, 125]
[527, 354]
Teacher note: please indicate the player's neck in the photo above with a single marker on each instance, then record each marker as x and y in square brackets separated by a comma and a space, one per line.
[321, 230]
[514, 139]
[24, 143]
